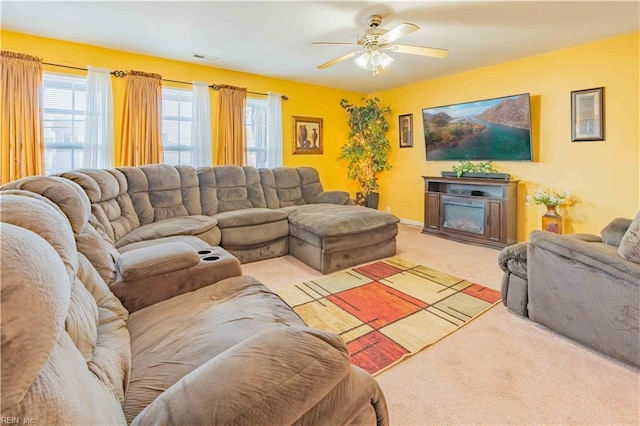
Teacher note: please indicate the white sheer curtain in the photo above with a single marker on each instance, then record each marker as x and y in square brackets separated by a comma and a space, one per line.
[98, 131]
[274, 129]
[201, 125]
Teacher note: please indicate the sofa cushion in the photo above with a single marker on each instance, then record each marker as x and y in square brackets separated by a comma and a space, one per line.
[612, 233]
[67, 197]
[218, 317]
[269, 390]
[65, 352]
[630, 245]
[282, 187]
[247, 217]
[72, 200]
[233, 188]
[156, 260]
[161, 191]
[334, 197]
[309, 183]
[183, 225]
[333, 220]
[194, 242]
[110, 202]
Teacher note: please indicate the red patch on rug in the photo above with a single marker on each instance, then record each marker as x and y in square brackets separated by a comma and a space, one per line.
[378, 270]
[377, 304]
[483, 293]
[374, 351]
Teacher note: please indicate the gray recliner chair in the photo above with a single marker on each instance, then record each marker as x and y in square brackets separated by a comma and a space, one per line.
[580, 286]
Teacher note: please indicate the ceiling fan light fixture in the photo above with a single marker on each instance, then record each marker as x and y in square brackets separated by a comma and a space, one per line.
[362, 60]
[373, 60]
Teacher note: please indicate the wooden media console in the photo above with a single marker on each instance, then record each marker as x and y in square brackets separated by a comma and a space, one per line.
[482, 211]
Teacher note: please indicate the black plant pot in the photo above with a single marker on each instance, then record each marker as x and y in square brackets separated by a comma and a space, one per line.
[370, 201]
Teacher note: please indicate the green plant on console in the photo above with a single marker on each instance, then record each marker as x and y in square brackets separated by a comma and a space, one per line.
[367, 150]
[469, 167]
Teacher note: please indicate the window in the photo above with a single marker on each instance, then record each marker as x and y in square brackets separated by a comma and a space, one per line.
[64, 106]
[176, 126]
[256, 128]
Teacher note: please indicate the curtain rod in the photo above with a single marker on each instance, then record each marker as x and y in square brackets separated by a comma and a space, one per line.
[121, 74]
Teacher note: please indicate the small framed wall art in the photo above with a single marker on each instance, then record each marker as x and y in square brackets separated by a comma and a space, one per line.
[587, 115]
[405, 126]
[307, 134]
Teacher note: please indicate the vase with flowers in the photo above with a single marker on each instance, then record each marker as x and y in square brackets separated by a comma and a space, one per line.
[551, 199]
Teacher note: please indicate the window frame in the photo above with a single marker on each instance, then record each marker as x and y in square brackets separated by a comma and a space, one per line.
[64, 82]
[263, 104]
[177, 95]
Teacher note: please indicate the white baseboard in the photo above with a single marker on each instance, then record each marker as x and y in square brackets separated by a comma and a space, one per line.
[411, 222]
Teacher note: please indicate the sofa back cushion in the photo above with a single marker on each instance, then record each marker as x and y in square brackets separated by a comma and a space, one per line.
[630, 245]
[228, 188]
[111, 204]
[309, 183]
[73, 365]
[161, 191]
[92, 238]
[281, 187]
[288, 186]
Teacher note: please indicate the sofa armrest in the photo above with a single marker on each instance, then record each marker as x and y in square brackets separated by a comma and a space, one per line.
[273, 378]
[156, 260]
[613, 233]
[513, 259]
[334, 197]
[587, 238]
[588, 251]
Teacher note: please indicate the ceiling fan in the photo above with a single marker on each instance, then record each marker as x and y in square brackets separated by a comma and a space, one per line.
[375, 41]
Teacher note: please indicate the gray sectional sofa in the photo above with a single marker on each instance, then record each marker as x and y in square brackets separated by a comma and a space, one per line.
[230, 352]
[155, 226]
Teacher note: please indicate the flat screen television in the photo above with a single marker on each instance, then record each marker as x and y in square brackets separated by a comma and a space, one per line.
[492, 129]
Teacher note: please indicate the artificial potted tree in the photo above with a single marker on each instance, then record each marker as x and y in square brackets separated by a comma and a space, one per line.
[367, 150]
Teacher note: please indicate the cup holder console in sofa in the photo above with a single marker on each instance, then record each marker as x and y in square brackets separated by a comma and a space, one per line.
[153, 273]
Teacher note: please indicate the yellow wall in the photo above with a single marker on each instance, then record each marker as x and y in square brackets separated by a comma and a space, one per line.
[604, 176]
[304, 99]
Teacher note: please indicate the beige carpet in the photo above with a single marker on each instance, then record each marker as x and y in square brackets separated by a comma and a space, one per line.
[499, 369]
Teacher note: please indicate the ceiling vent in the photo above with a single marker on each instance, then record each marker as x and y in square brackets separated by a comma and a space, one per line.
[207, 58]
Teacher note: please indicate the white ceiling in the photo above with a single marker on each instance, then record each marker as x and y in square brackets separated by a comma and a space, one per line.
[273, 38]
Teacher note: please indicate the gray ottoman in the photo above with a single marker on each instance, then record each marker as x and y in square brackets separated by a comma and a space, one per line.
[513, 261]
[329, 237]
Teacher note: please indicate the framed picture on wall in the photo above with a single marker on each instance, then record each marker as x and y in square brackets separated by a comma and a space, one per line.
[405, 128]
[307, 135]
[587, 115]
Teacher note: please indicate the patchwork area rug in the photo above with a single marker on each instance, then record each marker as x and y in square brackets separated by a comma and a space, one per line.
[388, 310]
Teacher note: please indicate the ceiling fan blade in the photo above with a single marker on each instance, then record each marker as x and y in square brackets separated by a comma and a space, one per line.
[339, 59]
[400, 30]
[331, 43]
[418, 50]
